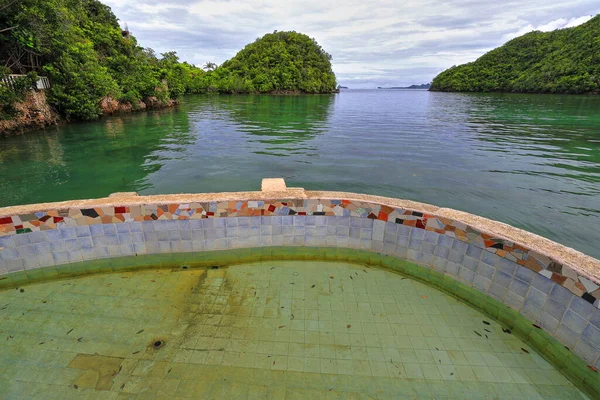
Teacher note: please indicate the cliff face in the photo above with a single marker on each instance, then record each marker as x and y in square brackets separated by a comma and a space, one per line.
[34, 113]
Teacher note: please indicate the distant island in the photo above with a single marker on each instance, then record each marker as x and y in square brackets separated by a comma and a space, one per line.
[563, 61]
[424, 86]
[342, 87]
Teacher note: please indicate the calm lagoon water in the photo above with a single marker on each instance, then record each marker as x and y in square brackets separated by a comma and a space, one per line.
[527, 160]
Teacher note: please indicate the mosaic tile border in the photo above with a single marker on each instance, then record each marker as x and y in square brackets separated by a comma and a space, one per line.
[586, 287]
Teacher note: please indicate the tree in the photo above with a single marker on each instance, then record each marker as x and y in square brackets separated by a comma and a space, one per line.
[210, 66]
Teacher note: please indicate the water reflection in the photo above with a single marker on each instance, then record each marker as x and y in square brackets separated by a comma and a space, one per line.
[275, 125]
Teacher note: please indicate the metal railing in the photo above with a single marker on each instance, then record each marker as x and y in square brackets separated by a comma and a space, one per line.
[42, 82]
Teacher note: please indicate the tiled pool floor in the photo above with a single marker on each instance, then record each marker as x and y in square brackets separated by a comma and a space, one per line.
[293, 330]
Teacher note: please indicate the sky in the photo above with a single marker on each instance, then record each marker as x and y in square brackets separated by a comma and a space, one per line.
[373, 42]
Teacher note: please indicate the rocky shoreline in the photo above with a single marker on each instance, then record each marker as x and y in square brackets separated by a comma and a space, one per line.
[35, 113]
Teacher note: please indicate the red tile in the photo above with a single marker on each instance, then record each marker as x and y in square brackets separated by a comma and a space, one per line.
[120, 210]
[382, 216]
[58, 219]
[5, 220]
[272, 208]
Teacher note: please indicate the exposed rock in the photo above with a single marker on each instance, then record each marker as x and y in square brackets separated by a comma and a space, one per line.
[34, 113]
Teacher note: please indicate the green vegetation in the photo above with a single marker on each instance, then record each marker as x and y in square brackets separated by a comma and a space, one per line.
[562, 61]
[89, 59]
[13, 94]
[277, 62]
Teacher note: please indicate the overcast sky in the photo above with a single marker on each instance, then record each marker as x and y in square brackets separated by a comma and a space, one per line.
[373, 43]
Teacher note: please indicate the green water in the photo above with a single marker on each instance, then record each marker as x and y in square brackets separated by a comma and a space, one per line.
[531, 161]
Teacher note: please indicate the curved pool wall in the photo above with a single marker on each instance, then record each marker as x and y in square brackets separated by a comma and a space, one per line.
[508, 273]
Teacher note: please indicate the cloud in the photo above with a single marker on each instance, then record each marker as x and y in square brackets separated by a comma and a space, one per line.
[374, 43]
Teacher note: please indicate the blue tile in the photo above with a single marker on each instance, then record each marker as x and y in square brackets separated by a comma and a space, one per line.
[255, 231]
[531, 309]
[139, 248]
[582, 307]
[95, 230]
[403, 241]
[591, 334]
[41, 248]
[548, 322]
[403, 230]
[289, 220]
[442, 251]
[151, 236]
[460, 246]
[415, 243]
[196, 224]
[489, 258]
[61, 257]
[561, 294]
[524, 274]
[519, 287]
[586, 351]
[485, 270]
[299, 220]
[106, 240]
[37, 237]
[121, 228]
[566, 336]
[595, 318]
[431, 237]
[9, 253]
[54, 235]
[25, 250]
[22, 239]
[162, 236]
[445, 241]
[343, 231]
[482, 283]
[470, 263]
[125, 238]
[498, 291]
[8, 241]
[231, 222]
[502, 279]
[456, 256]
[71, 244]
[474, 251]
[109, 229]
[428, 247]
[85, 242]
[542, 283]
[536, 296]
[184, 225]
[83, 231]
[554, 308]
[574, 322]
[219, 222]
[135, 226]
[452, 268]
[467, 274]
[57, 247]
[148, 226]
[174, 235]
[418, 234]
[506, 266]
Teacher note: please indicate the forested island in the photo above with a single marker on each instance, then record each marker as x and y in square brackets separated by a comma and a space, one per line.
[96, 67]
[562, 61]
